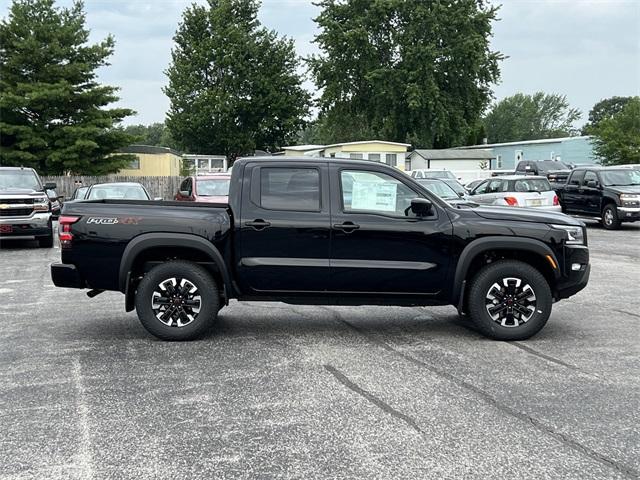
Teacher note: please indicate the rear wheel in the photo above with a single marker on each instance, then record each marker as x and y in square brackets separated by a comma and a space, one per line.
[177, 300]
[509, 300]
[610, 219]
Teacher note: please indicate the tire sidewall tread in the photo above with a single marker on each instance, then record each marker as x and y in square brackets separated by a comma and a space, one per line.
[492, 273]
[196, 274]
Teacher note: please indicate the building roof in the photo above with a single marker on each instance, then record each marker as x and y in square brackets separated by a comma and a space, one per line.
[526, 142]
[454, 154]
[150, 149]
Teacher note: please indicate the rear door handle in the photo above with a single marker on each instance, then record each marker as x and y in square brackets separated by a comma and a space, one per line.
[258, 224]
[346, 227]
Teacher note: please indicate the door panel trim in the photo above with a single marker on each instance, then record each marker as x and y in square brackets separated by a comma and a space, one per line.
[338, 263]
[382, 264]
[284, 262]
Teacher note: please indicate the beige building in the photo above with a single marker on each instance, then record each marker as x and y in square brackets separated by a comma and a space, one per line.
[152, 161]
[391, 153]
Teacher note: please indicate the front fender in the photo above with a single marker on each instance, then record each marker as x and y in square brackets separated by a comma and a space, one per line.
[485, 244]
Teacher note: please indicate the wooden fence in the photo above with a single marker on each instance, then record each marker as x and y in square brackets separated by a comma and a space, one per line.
[165, 187]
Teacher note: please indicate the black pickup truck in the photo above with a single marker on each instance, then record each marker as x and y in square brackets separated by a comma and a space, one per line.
[609, 194]
[323, 231]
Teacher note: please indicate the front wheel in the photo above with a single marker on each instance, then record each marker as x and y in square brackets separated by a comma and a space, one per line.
[509, 300]
[177, 300]
[610, 219]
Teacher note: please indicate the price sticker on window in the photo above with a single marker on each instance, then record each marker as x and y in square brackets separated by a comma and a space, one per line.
[377, 196]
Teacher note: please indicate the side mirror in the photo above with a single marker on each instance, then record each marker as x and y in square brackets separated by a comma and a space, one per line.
[61, 198]
[592, 184]
[185, 193]
[461, 194]
[50, 186]
[421, 207]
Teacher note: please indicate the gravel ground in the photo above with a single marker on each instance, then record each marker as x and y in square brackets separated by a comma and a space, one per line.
[277, 391]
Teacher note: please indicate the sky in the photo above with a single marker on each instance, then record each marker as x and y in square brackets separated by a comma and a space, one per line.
[585, 49]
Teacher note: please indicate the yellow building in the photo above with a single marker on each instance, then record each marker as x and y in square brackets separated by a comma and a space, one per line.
[152, 161]
[391, 153]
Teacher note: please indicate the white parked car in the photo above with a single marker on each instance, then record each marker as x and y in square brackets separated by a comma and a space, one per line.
[517, 191]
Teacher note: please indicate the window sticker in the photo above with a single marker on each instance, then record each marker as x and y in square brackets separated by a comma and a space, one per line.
[378, 196]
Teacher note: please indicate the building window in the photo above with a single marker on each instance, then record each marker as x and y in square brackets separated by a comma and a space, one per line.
[356, 156]
[407, 164]
[374, 157]
[290, 189]
[498, 162]
[391, 158]
[135, 164]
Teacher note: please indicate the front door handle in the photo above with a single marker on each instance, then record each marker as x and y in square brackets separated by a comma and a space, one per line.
[258, 224]
[346, 227]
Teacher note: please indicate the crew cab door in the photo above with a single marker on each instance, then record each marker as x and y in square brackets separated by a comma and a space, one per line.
[571, 195]
[591, 195]
[284, 228]
[377, 246]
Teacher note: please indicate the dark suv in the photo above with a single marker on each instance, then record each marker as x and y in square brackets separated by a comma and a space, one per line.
[25, 208]
[554, 170]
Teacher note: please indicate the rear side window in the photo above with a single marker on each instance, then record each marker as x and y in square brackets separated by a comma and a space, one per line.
[290, 189]
[532, 185]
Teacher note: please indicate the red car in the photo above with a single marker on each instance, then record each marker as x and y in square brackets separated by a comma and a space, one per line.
[205, 188]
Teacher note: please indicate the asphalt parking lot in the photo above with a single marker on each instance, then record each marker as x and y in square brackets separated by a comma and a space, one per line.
[278, 391]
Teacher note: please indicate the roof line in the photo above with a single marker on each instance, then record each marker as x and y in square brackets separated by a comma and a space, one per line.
[523, 142]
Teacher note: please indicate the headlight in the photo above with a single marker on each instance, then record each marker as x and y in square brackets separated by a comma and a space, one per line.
[630, 199]
[575, 234]
[41, 204]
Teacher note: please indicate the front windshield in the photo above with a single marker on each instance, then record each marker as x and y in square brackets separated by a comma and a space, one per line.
[551, 165]
[620, 177]
[213, 187]
[439, 174]
[19, 180]
[440, 189]
[117, 192]
[532, 185]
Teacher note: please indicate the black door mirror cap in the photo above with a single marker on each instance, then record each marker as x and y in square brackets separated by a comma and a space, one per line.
[592, 184]
[421, 207]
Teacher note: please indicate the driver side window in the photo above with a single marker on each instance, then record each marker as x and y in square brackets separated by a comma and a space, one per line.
[482, 188]
[375, 192]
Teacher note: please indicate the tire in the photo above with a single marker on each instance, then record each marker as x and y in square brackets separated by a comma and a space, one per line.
[170, 287]
[521, 279]
[47, 241]
[610, 219]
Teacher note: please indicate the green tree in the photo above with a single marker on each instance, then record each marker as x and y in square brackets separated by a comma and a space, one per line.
[52, 109]
[233, 84]
[530, 117]
[604, 109]
[416, 71]
[617, 138]
[156, 134]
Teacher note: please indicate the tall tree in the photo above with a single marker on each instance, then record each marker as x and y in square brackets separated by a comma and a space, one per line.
[603, 110]
[52, 109]
[531, 117]
[233, 84]
[617, 138]
[415, 71]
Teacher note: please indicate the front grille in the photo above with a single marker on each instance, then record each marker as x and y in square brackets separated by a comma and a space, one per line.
[14, 201]
[16, 212]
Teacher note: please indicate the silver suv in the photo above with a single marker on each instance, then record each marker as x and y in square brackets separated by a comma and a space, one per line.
[25, 208]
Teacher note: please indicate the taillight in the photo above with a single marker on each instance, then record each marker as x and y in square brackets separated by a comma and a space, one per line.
[511, 201]
[64, 230]
[556, 202]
